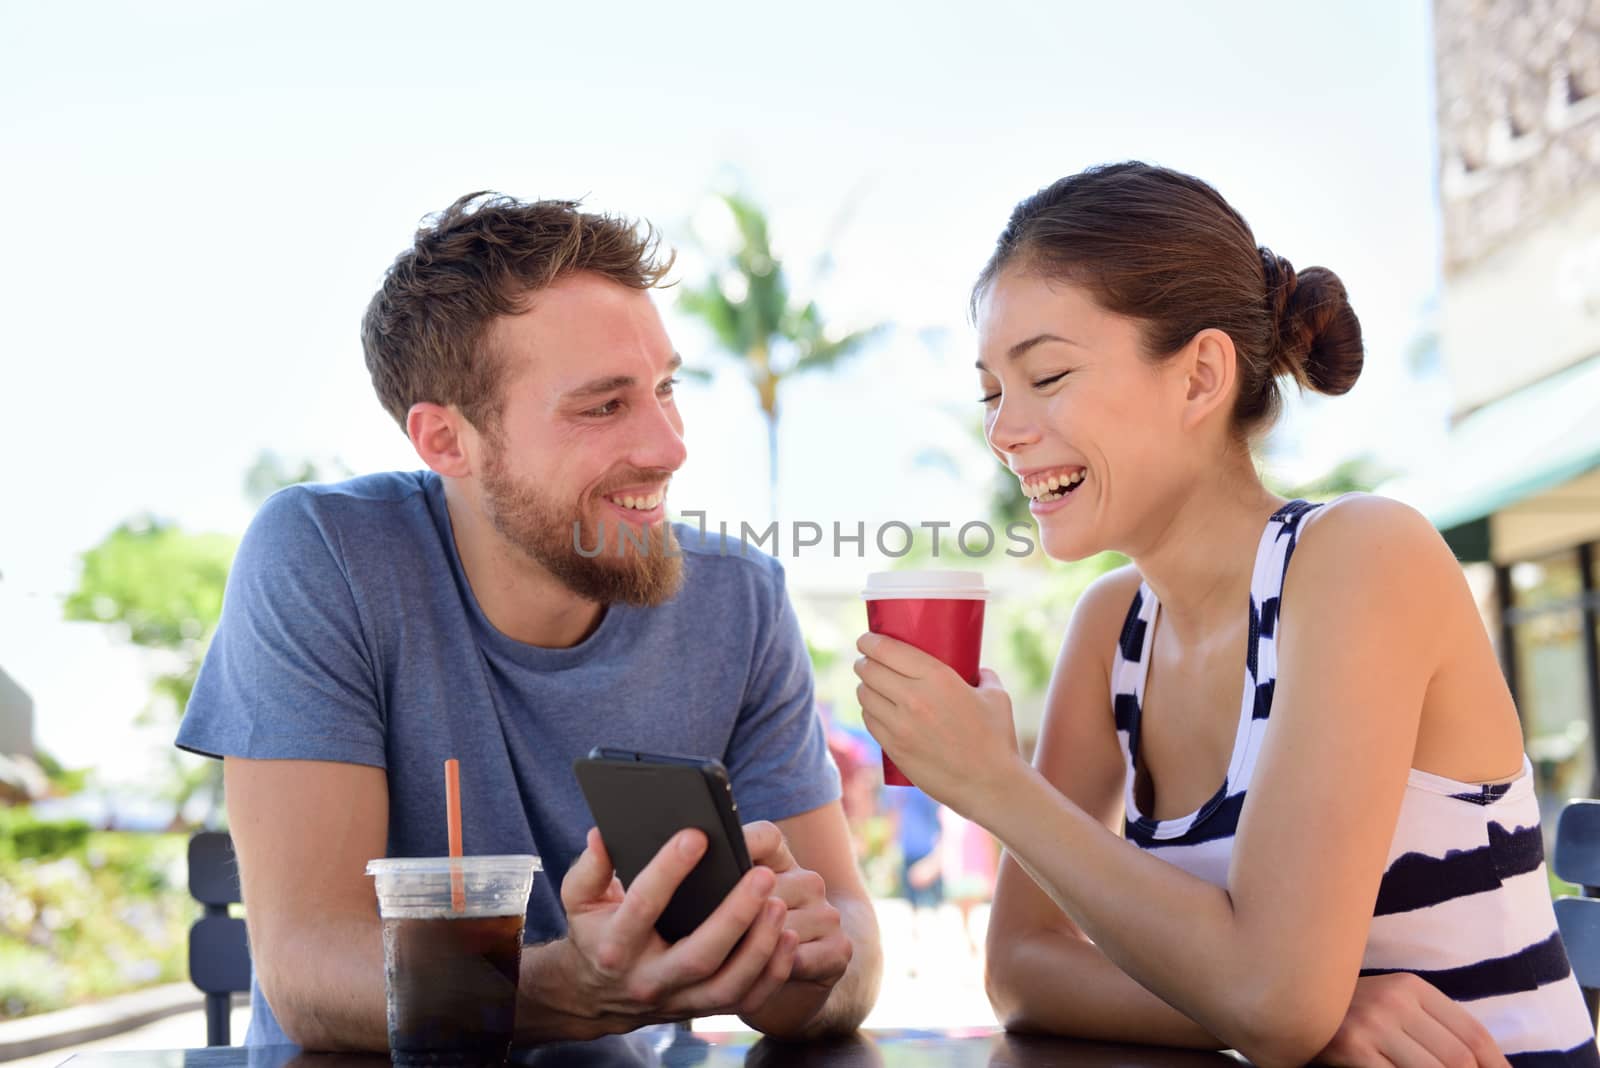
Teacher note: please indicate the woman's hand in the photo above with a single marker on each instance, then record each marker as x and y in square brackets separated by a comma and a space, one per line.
[1403, 1020]
[956, 742]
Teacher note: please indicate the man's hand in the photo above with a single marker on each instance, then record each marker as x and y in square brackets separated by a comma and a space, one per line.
[1403, 1019]
[824, 950]
[621, 970]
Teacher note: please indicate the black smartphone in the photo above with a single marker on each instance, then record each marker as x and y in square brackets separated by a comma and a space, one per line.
[640, 800]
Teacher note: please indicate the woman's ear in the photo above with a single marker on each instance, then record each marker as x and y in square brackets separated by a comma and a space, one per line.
[1211, 363]
[442, 437]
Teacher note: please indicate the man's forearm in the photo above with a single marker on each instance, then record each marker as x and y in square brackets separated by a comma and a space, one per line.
[332, 997]
[806, 1010]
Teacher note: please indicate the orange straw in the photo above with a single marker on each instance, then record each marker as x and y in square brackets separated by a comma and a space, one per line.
[452, 807]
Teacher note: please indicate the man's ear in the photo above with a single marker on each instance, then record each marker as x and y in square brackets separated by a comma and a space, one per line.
[1211, 366]
[443, 438]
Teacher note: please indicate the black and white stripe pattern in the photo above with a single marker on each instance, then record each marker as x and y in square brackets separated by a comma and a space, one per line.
[1464, 901]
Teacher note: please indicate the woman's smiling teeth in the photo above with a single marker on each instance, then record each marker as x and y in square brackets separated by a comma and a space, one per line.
[1053, 486]
[640, 504]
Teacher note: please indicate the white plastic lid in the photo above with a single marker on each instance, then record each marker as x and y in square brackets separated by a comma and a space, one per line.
[465, 887]
[933, 585]
[511, 863]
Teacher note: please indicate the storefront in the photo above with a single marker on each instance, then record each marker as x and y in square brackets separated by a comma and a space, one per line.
[1516, 493]
[1516, 489]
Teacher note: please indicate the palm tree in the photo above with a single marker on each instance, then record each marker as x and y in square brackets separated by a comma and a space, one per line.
[747, 305]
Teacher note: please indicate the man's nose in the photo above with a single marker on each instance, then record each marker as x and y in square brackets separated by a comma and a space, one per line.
[661, 445]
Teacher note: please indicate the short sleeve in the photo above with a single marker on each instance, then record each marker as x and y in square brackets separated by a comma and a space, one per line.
[778, 756]
[289, 674]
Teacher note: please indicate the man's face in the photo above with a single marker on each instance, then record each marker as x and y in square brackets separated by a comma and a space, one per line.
[589, 435]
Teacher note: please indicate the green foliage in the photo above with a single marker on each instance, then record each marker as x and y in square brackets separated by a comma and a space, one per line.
[107, 913]
[22, 837]
[1034, 625]
[162, 588]
[162, 584]
[64, 781]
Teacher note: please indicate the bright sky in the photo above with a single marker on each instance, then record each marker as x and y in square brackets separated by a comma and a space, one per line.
[202, 198]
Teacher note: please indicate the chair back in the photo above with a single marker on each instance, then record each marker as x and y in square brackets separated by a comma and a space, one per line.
[219, 948]
[1577, 860]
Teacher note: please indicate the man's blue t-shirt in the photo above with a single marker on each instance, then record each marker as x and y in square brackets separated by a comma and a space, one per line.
[349, 633]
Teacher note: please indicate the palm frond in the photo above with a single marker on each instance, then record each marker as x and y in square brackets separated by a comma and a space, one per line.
[711, 305]
[752, 223]
[823, 353]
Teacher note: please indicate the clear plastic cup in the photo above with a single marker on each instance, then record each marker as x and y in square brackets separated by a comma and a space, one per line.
[452, 949]
[939, 612]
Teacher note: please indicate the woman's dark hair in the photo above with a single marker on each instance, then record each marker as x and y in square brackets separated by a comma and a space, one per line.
[1164, 248]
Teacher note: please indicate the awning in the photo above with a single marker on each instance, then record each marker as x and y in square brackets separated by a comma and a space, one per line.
[1538, 437]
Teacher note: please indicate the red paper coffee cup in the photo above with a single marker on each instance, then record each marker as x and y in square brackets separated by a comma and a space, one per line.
[939, 612]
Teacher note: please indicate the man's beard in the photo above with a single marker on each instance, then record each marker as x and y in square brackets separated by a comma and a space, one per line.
[550, 536]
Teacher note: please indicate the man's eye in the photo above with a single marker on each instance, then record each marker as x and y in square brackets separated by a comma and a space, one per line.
[608, 408]
[666, 388]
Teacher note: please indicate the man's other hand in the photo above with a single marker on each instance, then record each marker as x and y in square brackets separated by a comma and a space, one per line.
[732, 963]
[824, 950]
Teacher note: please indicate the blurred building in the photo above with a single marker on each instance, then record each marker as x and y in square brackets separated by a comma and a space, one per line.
[16, 718]
[20, 778]
[1516, 491]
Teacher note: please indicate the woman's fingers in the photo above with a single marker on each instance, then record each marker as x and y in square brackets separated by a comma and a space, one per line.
[1403, 1051]
[1442, 1044]
[880, 678]
[900, 657]
[1462, 1026]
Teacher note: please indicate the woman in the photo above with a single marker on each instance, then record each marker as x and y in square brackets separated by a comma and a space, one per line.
[1366, 884]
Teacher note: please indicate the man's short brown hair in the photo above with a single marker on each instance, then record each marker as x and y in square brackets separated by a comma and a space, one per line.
[480, 258]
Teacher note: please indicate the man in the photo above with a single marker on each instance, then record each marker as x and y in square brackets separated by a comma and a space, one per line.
[376, 627]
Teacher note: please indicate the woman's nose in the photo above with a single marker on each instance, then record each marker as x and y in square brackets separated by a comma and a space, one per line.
[1011, 428]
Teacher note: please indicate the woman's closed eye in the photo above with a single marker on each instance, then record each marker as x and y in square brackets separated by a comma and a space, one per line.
[991, 396]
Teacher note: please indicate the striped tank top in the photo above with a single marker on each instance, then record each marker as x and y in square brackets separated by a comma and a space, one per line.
[1464, 902]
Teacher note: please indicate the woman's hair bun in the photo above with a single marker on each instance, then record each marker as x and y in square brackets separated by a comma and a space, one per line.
[1319, 336]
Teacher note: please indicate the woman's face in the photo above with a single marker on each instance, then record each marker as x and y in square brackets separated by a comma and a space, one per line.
[1090, 427]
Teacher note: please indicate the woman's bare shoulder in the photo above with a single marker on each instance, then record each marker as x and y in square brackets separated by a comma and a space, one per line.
[1378, 552]
[1362, 531]
[1101, 610]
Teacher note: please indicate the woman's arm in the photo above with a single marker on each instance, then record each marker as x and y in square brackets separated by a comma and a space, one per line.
[1043, 973]
[1269, 964]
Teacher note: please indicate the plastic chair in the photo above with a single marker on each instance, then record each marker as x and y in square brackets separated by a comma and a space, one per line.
[1577, 860]
[219, 948]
